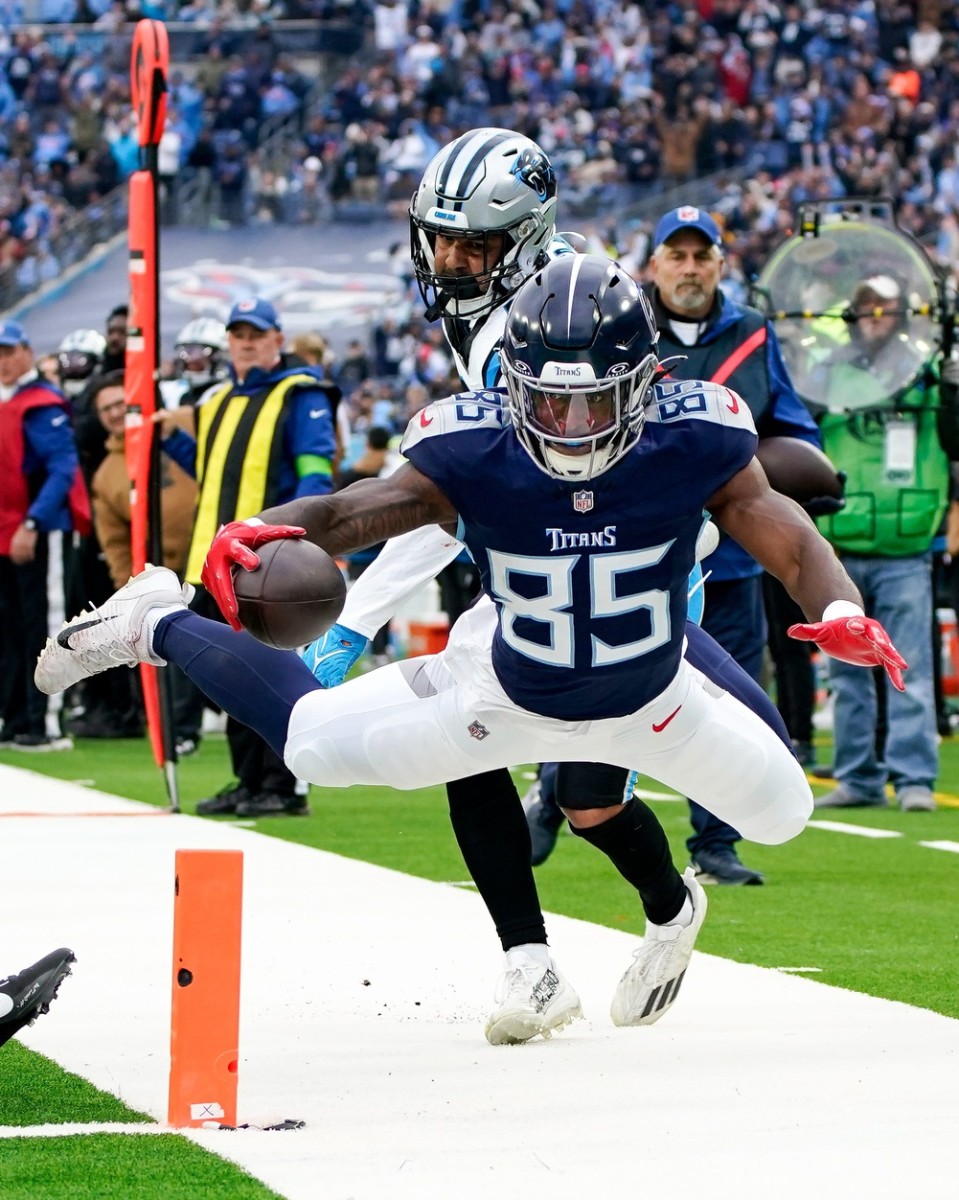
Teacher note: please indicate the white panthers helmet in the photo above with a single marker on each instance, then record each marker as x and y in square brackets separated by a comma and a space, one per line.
[489, 181]
[200, 351]
[78, 356]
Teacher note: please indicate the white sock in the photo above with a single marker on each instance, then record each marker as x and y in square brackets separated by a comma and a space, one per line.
[537, 951]
[685, 915]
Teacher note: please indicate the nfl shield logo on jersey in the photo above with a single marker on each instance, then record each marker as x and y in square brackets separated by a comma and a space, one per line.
[582, 501]
[477, 731]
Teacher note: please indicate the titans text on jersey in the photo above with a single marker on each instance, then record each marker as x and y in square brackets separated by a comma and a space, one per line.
[587, 578]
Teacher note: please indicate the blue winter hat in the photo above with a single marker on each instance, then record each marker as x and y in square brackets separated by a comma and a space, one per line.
[259, 313]
[687, 217]
[12, 333]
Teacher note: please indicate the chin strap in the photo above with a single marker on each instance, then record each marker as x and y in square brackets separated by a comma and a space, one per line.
[665, 366]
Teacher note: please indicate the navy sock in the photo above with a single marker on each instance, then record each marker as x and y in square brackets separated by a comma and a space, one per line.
[253, 683]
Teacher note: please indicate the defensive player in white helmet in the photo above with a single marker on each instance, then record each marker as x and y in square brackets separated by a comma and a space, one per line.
[481, 221]
[78, 356]
[200, 352]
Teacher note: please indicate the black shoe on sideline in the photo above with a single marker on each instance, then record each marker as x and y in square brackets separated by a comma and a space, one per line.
[26, 996]
[100, 725]
[722, 865]
[224, 803]
[273, 804]
[39, 742]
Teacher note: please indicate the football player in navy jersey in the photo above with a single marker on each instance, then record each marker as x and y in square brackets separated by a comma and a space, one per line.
[481, 220]
[580, 497]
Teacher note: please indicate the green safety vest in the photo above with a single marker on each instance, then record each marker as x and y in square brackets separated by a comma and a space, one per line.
[883, 516]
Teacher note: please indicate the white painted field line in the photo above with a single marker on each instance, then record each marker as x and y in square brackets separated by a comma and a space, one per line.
[952, 847]
[855, 830]
[364, 994]
[50, 1131]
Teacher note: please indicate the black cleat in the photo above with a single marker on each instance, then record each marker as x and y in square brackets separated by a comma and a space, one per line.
[273, 804]
[224, 803]
[26, 996]
[722, 865]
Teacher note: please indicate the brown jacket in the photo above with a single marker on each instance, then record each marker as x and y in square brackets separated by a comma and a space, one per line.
[111, 512]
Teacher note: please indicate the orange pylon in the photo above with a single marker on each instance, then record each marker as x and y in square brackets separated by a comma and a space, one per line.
[205, 1017]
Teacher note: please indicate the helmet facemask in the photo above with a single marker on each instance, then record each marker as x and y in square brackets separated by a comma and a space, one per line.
[579, 357]
[200, 352]
[510, 257]
[579, 428]
[74, 369]
[199, 365]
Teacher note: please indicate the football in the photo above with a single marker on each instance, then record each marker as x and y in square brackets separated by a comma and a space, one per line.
[798, 469]
[293, 596]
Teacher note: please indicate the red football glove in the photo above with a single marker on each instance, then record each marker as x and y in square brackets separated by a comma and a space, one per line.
[857, 640]
[233, 546]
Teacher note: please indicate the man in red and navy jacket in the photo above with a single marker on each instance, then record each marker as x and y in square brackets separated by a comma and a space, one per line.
[40, 491]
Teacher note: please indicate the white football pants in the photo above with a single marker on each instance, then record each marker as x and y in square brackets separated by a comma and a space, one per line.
[429, 720]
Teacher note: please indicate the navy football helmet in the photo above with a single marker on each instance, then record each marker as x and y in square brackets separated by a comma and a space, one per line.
[486, 184]
[579, 355]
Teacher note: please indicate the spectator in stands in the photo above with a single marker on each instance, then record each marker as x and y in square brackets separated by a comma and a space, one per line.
[353, 369]
[110, 492]
[41, 491]
[230, 174]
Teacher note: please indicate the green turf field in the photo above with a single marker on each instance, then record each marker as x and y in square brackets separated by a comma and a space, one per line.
[876, 916]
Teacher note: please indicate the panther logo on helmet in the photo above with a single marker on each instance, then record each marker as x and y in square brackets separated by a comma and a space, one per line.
[533, 168]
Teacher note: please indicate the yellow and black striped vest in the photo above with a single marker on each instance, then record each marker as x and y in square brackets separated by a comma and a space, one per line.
[239, 454]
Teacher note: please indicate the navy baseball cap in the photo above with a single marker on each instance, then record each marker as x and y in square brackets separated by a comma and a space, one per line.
[12, 333]
[259, 313]
[687, 217]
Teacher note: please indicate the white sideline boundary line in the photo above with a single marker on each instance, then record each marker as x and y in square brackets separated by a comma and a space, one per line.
[364, 994]
[51, 1131]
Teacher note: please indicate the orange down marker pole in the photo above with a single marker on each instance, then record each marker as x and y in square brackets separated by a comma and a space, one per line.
[205, 1019]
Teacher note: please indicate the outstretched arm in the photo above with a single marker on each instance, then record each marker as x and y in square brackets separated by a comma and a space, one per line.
[367, 512]
[362, 514]
[780, 536]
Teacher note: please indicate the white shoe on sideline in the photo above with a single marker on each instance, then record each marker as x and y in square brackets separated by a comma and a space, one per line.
[652, 982]
[531, 1001]
[117, 633]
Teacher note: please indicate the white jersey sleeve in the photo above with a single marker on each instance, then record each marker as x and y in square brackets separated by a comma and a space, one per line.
[403, 566]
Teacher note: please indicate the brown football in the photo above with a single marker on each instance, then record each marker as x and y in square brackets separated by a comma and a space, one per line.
[798, 469]
[294, 595]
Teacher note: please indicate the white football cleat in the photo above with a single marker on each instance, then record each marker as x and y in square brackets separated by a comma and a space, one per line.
[652, 983]
[531, 1001]
[118, 633]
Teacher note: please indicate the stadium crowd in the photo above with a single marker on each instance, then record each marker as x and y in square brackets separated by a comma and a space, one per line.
[791, 100]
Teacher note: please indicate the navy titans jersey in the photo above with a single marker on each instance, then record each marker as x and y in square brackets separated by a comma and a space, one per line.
[589, 579]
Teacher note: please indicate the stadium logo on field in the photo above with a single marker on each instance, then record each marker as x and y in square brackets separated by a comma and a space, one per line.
[307, 298]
